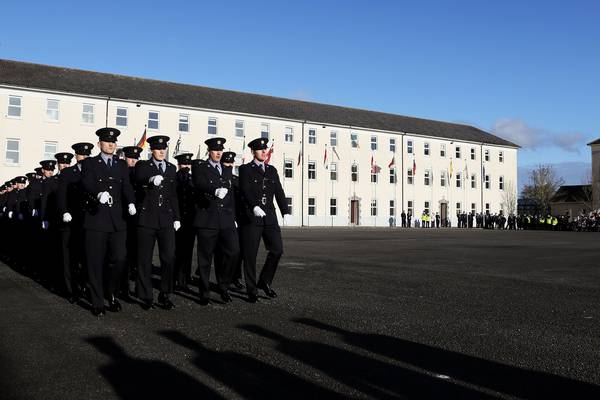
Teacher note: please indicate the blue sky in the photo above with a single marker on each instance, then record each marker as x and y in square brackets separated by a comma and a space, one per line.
[527, 71]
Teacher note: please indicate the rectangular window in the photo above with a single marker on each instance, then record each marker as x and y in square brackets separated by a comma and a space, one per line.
[312, 170]
[289, 204]
[426, 149]
[12, 151]
[153, 120]
[289, 134]
[354, 140]
[443, 178]
[487, 207]
[50, 149]
[426, 181]
[374, 176]
[392, 175]
[312, 136]
[392, 208]
[333, 207]
[409, 207]
[458, 179]
[457, 152]
[473, 181]
[501, 183]
[443, 150]
[373, 142]
[487, 181]
[473, 208]
[239, 128]
[393, 145]
[264, 131]
[333, 172]
[354, 173]
[312, 206]
[472, 153]
[184, 123]
[409, 146]
[373, 208]
[52, 110]
[458, 208]
[14, 106]
[487, 155]
[333, 138]
[87, 114]
[409, 176]
[501, 156]
[289, 169]
[121, 116]
[426, 207]
[212, 126]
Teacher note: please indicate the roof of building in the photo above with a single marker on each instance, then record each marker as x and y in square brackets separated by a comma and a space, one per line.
[597, 141]
[21, 74]
[573, 194]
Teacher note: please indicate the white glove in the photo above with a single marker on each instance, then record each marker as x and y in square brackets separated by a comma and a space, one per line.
[10, 214]
[3, 209]
[286, 219]
[104, 197]
[67, 217]
[156, 180]
[235, 224]
[176, 225]
[44, 224]
[131, 209]
[258, 212]
[221, 192]
[34, 212]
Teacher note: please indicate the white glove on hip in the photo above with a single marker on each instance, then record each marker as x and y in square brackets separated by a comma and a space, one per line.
[258, 212]
[67, 217]
[176, 225]
[34, 212]
[156, 180]
[104, 197]
[131, 209]
[221, 192]
[10, 213]
[44, 224]
[286, 219]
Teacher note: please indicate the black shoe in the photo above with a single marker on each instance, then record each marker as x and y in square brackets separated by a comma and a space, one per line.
[238, 284]
[114, 305]
[97, 312]
[252, 298]
[147, 305]
[72, 299]
[165, 302]
[203, 300]
[225, 296]
[267, 289]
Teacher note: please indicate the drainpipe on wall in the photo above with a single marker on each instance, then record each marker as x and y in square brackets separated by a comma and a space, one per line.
[106, 119]
[302, 187]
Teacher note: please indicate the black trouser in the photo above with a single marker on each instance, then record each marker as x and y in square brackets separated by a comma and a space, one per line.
[184, 250]
[251, 235]
[101, 247]
[130, 272]
[72, 257]
[236, 273]
[146, 237]
[225, 241]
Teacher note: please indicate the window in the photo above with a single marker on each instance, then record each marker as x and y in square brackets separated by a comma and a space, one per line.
[487, 181]
[121, 116]
[50, 149]
[373, 142]
[409, 147]
[443, 178]
[289, 169]
[52, 110]
[333, 172]
[409, 176]
[333, 207]
[212, 126]
[487, 207]
[487, 155]
[392, 208]
[239, 128]
[458, 180]
[392, 175]
[457, 152]
[184, 123]
[152, 120]
[87, 114]
[333, 138]
[501, 183]
[472, 153]
[374, 175]
[458, 208]
[289, 204]
[473, 181]
[289, 134]
[501, 156]
[426, 181]
[373, 208]
[14, 106]
[443, 150]
[264, 131]
[12, 151]
[312, 206]
[426, 149]
[312, 170]
[426, 207]
[393, 145]
[354, 140]
[312, 136]
[473, 208]
[354, 173]
[410, 207]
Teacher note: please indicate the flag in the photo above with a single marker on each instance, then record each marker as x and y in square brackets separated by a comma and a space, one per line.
[451, 170]
[243, 149]
[269, 153]
[299, 157]
[199, 154]
[392, 163]
[176, 151]
[142, 142]
[335, 152]
[414, 170]
[374, 167]
[483, 176]
[325, 158]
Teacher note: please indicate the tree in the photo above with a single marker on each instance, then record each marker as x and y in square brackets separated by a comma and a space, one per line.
[587, 190]
[509, 198]
[543, 184]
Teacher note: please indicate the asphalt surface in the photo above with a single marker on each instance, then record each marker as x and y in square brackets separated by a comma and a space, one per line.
[362, 313]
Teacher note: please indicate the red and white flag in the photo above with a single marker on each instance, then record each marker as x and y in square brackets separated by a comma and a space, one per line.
[325, 158]
[269, 153]
[392, 163]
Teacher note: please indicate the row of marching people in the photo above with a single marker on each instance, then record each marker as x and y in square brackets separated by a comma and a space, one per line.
[97, 222]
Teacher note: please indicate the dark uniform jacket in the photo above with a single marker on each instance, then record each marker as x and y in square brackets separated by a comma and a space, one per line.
[257, 189]
[71, 197]
[211, 211]
[49, 207]
[34, 195]
[96, 177]
[185, 196]
[157, 207]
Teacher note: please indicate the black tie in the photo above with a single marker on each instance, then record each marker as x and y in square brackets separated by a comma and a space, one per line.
[161, 168]
[109, 162]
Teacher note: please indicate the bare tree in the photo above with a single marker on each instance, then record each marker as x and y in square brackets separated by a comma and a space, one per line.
[543, 184]
[587, 190]
[509, 198]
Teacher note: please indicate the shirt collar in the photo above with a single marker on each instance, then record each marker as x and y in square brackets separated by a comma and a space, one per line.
[157, 163]
[105, 157]
[259, 163]
[213, 163]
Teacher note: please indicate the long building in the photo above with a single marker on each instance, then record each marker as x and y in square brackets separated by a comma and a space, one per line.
[339, 166]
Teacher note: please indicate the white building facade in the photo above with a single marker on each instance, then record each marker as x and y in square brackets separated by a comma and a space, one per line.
[333, 174]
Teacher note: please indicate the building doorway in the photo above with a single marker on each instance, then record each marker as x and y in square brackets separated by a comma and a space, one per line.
[443, 213]
[354, 212]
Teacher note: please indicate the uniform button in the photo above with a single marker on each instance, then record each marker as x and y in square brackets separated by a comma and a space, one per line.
[110, 187]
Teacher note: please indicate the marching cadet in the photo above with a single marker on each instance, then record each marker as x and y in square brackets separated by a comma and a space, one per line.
[259, 183]
[106, 178]
[72, 202]
[21, 211]
[185, 236]
[49, 218]
[34, 200]
[214, 220]
[157, 222]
